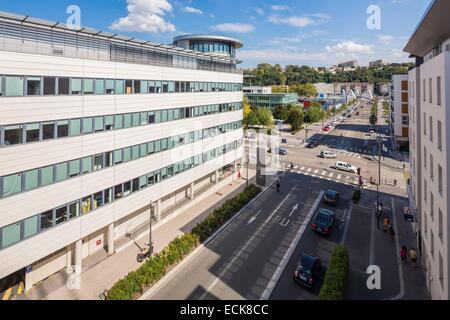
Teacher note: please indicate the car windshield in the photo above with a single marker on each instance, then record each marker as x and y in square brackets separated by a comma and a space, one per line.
[322, 218]
[306, 263]
[331, 194]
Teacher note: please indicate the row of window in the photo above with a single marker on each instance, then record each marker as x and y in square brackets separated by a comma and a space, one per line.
[32, 226]
[213, 46]
[431, 130]
[18, 86]
[42, 177]
[11, 135]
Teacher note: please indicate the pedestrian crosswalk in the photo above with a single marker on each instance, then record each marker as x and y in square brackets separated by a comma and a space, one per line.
[393, 179]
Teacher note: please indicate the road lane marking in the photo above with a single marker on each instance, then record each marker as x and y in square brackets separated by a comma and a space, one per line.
[253, 219]
[331, 175]
[302, 168]
[316, 172]
[295, 208]
[284, 262]
[324, 172]
[339, 177]
[247, 244]
[7, 294]
[309, 170]
[348, 218]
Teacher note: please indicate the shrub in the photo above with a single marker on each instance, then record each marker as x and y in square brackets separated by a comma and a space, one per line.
[335, 283]
[356, 195]
[155, 268]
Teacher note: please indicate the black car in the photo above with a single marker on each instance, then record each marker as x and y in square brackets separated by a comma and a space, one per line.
[313, 145]
[331, 197]
[308, 270]
[323, 222]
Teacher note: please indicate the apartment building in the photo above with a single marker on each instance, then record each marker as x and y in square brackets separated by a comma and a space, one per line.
[101, 132]
[399, 109]
[378, 63]
[352, 64]
[429, 97]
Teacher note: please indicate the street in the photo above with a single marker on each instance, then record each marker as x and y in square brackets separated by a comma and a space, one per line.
[255, 256]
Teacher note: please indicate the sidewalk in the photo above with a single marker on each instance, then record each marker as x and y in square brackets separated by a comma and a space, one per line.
[101, 272]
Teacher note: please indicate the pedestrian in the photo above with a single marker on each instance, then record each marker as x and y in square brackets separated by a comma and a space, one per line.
[403, 254]
[391, 231]
[278, 186]
[387, 222]
[413, 257]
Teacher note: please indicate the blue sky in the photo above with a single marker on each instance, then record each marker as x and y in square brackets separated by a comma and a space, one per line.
[311, 32]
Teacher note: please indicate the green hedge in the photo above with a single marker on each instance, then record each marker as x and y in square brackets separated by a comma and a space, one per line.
[155, 268]
[335, 282]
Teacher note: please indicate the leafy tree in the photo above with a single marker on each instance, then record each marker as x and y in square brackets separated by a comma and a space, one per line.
[247, 107]
[265, 117]
[304, 90]
[314, 113]
[373, 119]
[251, 119]
[282, 112]
[296, 118]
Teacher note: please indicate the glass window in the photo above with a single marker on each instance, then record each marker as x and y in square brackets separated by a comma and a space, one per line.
[164, 144]
[158, 86]
[75, 86]
[135, 185]
[128, 86]
[151, 87]
[144, 86]
[61, 172]
[86, 205]
[150, 179]
[75, 127]
[165, 87]
[119, 121]
[126, 154]
[88, 86]
[135, 152]
[120, 86]
[137, 86]
[74, 168]
[171, 86]
[157, 176]
[12, 184]
[87, 165]
[63, 86]
[127, 120]
[98, 200]
[151, 117]
[32, 132]
[109, 123]
[108, 195]
[47, 220]
[33, 86]
[164, 174]
[157, 146]
[98, 162]
[118, 158]
[144, 118]
[13, 135]
[150, 148]
[118, 192]
[127, 189]
[108, 159]
[48, 130]
[99, 86]
[30, 227]
[74, 210]
[109, 86]
[10, 234]
[47, 176]
[136, 121]
[99, 125]
[31, 179]
[164, 116]
[87, 125]
[61, 215]
[14, 86]
[49, 86]
[62, 128]
[143, 182]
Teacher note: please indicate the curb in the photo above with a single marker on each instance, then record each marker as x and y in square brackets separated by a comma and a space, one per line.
[202, 246]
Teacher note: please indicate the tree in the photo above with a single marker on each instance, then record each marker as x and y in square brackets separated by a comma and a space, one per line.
[247, 107]
[282, 112]
[265, 117]
[373, 119]
[251, 119]
[296, 118]
[304, 90]
[314, 114]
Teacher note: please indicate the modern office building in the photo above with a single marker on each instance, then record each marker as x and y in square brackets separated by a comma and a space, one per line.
[97, 130]
[209, 44]
[325, 88]
[429, 99]
[399, 115]
[258, 90]
[272, 100]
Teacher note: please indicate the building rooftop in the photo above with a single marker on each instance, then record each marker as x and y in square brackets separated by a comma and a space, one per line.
[209, 37]
[433, 28]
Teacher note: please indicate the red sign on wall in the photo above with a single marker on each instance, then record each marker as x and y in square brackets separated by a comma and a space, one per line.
[99, 243]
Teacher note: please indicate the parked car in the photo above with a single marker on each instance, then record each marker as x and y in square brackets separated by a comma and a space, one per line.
[308, 270]
[344, 166]
[324, 221]
[281, 151]
[327, 128]
[327, 154]
[313, 144]
[331, 197]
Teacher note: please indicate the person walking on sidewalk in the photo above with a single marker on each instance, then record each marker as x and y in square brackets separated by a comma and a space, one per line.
[413, 257]
[278, 186]
[391, 231]
[403, 254]
[387, 222]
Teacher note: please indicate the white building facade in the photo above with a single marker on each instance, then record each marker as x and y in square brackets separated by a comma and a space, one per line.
[96, 131]
[399, 118]
[429, 98]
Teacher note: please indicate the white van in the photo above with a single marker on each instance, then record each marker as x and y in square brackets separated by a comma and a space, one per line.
[327, 155]
[344, 166]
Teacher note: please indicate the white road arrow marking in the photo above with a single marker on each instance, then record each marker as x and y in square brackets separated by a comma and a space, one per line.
[253, 219]
[295, 208]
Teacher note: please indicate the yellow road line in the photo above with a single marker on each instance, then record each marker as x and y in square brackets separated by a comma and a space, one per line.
[7, 294]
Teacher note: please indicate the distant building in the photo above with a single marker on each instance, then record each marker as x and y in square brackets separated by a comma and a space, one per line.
[258, 90]
[338, 88]
[378, 63]
[271, 100]
[384, 89]
[399, 119]
[352, 64]
[325, 88]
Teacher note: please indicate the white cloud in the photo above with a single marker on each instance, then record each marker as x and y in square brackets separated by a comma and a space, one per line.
[233, 27]
[299, 21]
[385, 39]
[350, 47]
[212, 16]
[280, 8]
[260, 11]
[145, 16]
[192, 10]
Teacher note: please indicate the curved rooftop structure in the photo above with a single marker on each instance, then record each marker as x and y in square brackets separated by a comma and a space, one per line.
[205, 43]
